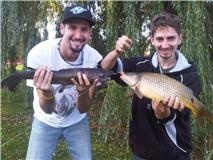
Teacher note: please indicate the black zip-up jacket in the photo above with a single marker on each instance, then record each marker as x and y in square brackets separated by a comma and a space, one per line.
[149, 137]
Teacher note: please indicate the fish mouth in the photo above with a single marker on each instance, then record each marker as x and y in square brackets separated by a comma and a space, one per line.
[124, 78]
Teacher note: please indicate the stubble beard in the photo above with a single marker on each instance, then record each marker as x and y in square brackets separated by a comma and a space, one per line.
[166, 57]
[74, 50]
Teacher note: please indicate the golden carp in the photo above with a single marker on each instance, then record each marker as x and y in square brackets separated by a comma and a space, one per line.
[158, 86]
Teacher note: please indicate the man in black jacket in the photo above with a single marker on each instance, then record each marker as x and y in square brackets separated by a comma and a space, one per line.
[157, 133]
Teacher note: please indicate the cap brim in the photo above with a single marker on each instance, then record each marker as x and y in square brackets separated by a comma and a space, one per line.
[92, 23]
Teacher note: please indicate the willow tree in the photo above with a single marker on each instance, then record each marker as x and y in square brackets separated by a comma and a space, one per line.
[9, 30]
[116, 106]
[21, 22]
[197, 45]
[111, 104]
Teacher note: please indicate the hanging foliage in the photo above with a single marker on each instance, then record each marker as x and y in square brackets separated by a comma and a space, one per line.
[110, 109]
[132, 26]
[196, 46]
[9, 30]
[116, 105]
[21, 26]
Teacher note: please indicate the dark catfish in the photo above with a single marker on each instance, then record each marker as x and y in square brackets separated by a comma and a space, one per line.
[59, 77]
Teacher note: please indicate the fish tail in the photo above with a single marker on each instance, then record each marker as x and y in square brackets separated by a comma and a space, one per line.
[12, 81]
[204, 113]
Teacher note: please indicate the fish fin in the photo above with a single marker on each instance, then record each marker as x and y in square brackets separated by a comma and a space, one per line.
[11, 82]
[130, 94]
[205, 114]
[138, 93]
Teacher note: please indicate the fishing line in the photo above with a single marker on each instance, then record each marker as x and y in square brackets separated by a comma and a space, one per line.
[13, 138]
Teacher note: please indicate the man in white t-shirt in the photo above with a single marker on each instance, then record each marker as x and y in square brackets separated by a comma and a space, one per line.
[60, 110]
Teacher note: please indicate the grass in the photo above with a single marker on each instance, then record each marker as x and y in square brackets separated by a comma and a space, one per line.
[16, 117]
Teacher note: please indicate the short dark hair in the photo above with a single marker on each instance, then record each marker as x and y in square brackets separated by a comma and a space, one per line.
[165, 19]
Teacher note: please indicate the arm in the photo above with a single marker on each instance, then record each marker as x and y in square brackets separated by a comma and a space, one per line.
[86, 92]
[85, 100]
[42, 81]
[123, 43]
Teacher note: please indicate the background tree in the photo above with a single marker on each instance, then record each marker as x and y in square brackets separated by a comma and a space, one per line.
[197, 45]
[23, 22]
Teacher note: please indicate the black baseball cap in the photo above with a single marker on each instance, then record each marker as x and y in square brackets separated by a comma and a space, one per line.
[77, 11]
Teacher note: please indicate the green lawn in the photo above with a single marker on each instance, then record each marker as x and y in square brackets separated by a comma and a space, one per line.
[16, 116]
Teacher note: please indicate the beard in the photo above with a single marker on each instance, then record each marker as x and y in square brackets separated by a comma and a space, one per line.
[77, 50]
[165, 57]
[166, 53]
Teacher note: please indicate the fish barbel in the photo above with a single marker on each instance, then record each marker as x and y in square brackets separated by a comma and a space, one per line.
[158, 86]
[59, 77]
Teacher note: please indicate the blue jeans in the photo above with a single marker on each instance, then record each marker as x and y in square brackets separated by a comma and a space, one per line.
[44, 138]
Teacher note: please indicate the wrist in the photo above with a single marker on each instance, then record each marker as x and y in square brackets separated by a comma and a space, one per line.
[167, 119]
[82, 93]
[162, 114]
[117, 52]
[46, 95]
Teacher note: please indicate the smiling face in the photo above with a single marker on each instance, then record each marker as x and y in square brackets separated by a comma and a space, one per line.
[76, 34]
[166, 40]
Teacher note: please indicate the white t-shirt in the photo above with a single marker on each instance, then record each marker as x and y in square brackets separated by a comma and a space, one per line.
[66, 112]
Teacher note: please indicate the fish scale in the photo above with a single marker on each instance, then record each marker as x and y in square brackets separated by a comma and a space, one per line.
[158, 86]
[171, 87]
[164, 86]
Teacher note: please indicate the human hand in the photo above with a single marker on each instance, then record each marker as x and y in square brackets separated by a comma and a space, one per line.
[83, 84]
[173, 102]
[162, 108]
[42, 81]
[122, 44]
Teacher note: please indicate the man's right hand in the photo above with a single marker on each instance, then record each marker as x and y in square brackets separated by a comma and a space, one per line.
[42, 81]
[122, 44]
